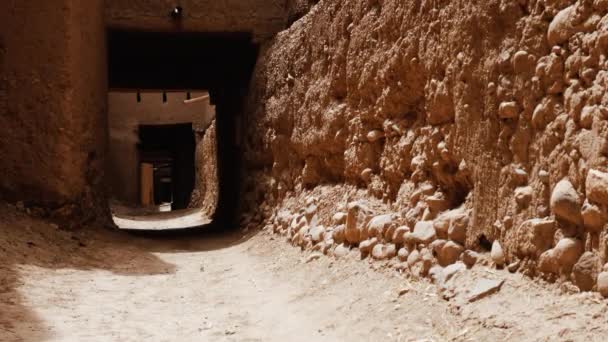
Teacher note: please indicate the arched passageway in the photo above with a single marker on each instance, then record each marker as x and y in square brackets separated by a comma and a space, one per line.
[220, 63]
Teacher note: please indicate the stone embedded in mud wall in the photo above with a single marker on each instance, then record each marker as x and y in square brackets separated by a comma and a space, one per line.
[565, 24]
[381, 237]
[523, 196]
[596, 186]
[452, 135]
[594, 218]
[588, 113]
[585, 271]
[508, 110]
[449, 253]
[562, 257]
[339, 218]
[403, 254]
[379, 225]
[423, 233]
[523, 62]
[565, 202]
[567, 252]
[339, 234]
[382, 251]
[399, 234]
[375, 135]
[457, 230]
[366, 175]
[366, 246]
[547, 263]
[469, 258]
[317, 233]
[356, 221]
[533, 237]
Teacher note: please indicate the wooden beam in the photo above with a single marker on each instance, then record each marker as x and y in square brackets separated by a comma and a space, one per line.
[196, 99]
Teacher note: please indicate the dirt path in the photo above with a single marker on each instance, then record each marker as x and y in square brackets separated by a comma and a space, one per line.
[258, 288]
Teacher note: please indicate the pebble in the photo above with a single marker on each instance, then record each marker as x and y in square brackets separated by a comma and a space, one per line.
[469, 258]
[317, 233]
[413, 257]
[596, 186]
[508, 110]
[497, 254]
[338, 234]
[584, 272]
[379, 224]
[513, 267]
[449, 253]
[402, 254]
[593, 217]
[375, 135]
[341, 251]
[602, 284]
[366, 246]
[338, 219]
[398, 234]
[567, 251]
[381, 251]
[313, 256]
[544, 176]
[424, 232]
[366, 174]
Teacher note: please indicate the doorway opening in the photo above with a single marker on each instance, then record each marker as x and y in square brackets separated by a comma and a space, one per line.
[152, 147]
[166, 155]
[165, 70]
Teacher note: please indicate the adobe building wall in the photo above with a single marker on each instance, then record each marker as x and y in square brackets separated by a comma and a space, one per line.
[481, 123]
[206, 189]
[53, 101]
[53, 86]
[263, 18]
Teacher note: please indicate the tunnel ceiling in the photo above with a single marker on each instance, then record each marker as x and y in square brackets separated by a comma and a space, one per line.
[154, 60]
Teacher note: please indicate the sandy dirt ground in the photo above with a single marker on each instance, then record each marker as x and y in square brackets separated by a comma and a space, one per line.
[100, 286]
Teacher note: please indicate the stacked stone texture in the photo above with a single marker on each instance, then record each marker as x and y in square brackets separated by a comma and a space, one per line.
[472, 121]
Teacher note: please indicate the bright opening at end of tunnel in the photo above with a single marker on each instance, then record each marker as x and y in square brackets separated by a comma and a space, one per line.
[154, 136]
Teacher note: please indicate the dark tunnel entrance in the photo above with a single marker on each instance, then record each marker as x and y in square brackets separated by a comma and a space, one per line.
[220, 63]
[169, 150]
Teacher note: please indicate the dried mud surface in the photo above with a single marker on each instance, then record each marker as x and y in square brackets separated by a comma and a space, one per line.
[494, 112]
[206, 188]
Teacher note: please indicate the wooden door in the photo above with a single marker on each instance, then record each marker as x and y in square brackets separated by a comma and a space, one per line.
[147, 184]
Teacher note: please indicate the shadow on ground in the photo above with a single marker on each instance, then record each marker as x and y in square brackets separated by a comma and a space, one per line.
[27, 242]
[209, 237]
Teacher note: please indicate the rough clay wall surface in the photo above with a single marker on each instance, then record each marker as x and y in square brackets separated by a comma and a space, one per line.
[53, 101]
[206, 191]
[473, 121]
[261, 17]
